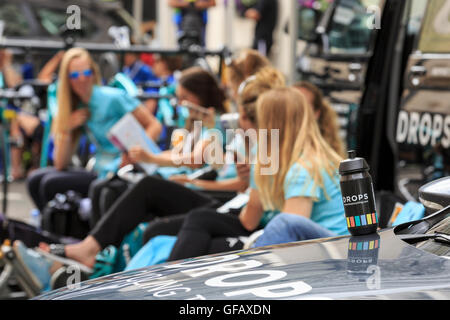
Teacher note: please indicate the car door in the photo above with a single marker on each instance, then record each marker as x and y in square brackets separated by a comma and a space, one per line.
[423, 122]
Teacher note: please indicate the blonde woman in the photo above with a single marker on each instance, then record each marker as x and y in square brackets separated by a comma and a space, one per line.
[322, 210]
[84, 106]
[306, 184]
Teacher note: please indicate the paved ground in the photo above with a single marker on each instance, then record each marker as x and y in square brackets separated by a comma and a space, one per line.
[19, 203]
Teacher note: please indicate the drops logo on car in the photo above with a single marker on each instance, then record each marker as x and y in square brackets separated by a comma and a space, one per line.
[236, 277]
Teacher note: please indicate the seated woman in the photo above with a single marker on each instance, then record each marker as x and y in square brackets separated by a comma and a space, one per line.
[196, 87]
[305, 184]
[154, 195]
[25, 128]
[84, 105]
[288, 227]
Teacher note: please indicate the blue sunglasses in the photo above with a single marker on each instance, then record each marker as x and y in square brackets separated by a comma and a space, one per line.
[76, 74]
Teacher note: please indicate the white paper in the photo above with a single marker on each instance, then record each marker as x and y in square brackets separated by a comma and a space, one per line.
[236, 203]
[128, 133]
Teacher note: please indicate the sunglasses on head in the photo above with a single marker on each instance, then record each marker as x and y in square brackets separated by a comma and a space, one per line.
[76, 74]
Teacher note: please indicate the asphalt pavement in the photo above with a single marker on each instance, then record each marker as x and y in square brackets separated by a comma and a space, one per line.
[19, 203]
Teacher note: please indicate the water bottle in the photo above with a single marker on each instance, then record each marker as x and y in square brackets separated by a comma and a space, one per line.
[85, 209]
[358, 196]
[35, 218]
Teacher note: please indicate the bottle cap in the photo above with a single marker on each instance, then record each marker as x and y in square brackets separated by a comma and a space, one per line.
[353, 164]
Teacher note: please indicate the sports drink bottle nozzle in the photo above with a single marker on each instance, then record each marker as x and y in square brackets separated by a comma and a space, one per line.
[358, 196]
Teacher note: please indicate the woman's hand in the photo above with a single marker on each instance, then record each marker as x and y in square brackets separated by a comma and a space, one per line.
[252, 213]
[137, 154]
[78, 118]
[125, 160]
[243, 171]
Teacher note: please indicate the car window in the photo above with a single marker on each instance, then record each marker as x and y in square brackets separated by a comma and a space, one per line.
[416, 15]
[53, 20]
[309, 15]
[353, 25]
[435, 35]
[15, 23]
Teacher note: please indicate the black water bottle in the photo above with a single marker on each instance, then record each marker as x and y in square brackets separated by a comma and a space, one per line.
[358, 196]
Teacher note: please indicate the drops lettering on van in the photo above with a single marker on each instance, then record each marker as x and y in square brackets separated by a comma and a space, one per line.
[424, 129]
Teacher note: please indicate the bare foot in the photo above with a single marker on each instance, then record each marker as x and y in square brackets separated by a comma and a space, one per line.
[44, 246]
[84, 252]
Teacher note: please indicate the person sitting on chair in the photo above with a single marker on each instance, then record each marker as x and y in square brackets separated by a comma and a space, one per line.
[84, 106]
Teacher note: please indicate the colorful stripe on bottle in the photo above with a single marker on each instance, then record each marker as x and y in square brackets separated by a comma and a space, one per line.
[362, 220]
[363, 246]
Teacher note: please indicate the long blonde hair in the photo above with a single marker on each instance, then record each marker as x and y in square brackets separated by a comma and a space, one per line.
[67, 99]
[300, 142]
[328, 119]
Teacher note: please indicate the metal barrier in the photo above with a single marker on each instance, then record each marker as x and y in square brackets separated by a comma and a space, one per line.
[54, 46]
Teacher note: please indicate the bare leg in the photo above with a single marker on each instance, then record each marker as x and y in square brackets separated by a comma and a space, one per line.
[16, 152]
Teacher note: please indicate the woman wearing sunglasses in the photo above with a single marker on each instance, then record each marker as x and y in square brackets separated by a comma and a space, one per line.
[84, 106]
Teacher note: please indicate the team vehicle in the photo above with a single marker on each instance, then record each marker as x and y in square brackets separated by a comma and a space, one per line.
[384, 66]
